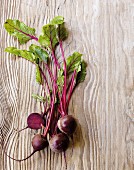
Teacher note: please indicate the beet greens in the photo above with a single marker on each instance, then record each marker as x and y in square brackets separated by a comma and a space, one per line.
[64, 77]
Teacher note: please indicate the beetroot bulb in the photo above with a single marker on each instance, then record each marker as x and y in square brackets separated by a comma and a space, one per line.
[34, 121]
[39, 142]
[67, 124]
[59, 142]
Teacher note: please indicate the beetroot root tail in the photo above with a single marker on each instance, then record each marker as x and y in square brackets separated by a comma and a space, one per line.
[65, 159]
[19, 160]
[22, 129]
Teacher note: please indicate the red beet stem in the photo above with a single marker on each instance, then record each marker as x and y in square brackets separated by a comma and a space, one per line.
[65, 75]
[55, 87]
[31, 36]
[21, 159]
[45, 113]
[49, 71]
[45, 80]
[54, 57]
[53, 100]
[71, 87]
[53, 79]
[51, 113]
[61, 105]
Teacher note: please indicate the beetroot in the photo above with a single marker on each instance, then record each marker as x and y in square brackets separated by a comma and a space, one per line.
[39, 142]
[67, 124]
[59, 143]
[34, 121]
[57, 87]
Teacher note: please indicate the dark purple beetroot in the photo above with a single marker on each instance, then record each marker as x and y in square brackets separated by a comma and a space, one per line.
[59, 143]
[67, 124]
[39, 142]
[35, 120]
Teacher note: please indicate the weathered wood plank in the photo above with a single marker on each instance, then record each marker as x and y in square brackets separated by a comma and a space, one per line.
[103, 104]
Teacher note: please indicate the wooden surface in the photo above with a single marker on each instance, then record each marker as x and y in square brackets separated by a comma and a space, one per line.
[103, 30]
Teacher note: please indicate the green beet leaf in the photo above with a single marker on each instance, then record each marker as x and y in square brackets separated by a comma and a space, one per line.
[60, 79]
[38, 75]
[74, 63]
[57, 20]
[20, 30]
[48, 38]
[39, 53]
[38, 98]
[21, 53]
[82, 74]
[62, 32]
[28, 55]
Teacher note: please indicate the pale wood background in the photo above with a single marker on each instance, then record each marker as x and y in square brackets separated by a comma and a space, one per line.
[103, 30]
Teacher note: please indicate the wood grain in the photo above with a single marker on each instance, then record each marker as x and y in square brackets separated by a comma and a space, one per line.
[103, 30]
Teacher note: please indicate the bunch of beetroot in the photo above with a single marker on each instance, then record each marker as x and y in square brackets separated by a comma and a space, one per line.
[65, 74]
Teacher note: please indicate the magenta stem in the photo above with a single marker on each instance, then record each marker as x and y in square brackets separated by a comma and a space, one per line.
[65, 75]
[68, 86]
[54, 94]
[46, 111]
[53, 55]
[59, 110]
[45, 80]
[55, 59]
[61, 105]
[49, 121]
[31, 36]
[46, 103]
[55, 87]
[53, 79]
[71, 87]
[55, 130]
[52, 109]
[49, 71]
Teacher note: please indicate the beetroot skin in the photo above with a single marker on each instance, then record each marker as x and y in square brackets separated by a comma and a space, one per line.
[67, 124]
[39, 142]
[35, 120]
[59, 143]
